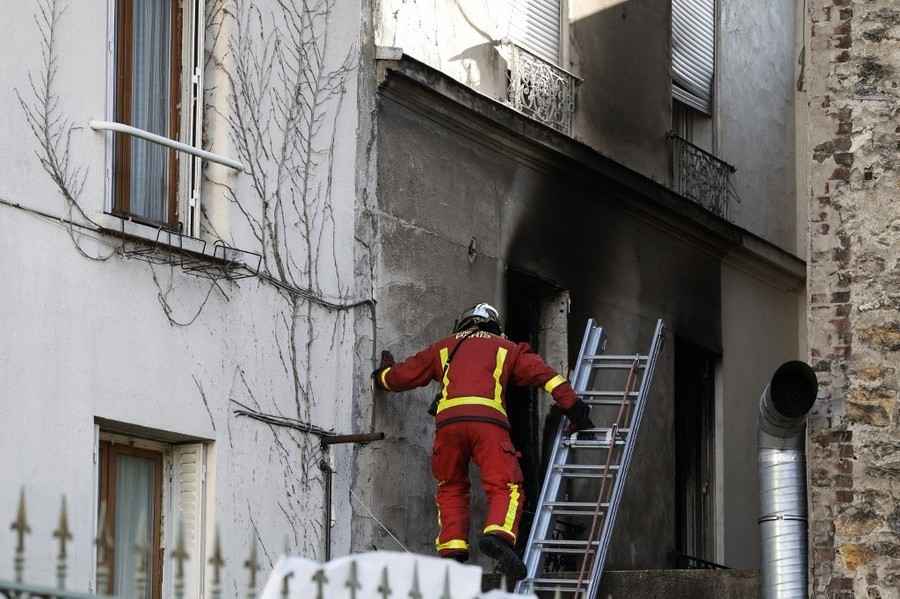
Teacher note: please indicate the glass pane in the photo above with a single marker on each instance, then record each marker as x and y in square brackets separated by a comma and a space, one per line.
[150, 106]
[134, 504]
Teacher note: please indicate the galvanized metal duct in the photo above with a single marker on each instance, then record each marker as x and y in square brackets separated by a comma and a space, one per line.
[782, 480]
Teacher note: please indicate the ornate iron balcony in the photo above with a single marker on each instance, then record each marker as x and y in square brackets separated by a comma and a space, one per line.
[700, 176]
[540, 89]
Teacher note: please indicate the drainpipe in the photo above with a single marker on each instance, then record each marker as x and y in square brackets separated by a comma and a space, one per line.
[782, 480]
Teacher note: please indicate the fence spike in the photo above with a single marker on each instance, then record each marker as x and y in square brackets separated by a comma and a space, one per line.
[179, 555]
[217, 564]
[285, 585]
[64, 534]
[557, 594]
[20, 525]
[503, 583]
[446, 593]
[384, 589]
[321, 580]
[104, 545]
[252, 564]
[140, 551]
[415, 592]
[353, 580]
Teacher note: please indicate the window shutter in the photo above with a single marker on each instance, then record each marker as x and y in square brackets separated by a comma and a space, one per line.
[189, 500]
[693, 52]
[536, 26]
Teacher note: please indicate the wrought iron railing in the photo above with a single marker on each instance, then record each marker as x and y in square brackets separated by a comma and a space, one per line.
[701, 176]
[373, 575]
[540, 89]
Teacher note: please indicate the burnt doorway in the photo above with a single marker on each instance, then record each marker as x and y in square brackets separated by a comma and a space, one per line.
[536, 313]
[695, 452]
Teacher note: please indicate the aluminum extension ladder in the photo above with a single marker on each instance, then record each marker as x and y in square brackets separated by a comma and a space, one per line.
[599, 458]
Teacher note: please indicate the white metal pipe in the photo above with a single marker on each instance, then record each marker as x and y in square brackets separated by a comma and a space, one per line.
[782, 481]
[165, 141]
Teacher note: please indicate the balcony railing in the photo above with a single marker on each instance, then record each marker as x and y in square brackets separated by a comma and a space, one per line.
[700, 176]
[540, 89]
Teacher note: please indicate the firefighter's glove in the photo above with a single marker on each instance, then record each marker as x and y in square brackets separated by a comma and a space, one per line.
[579, 416]
[387, 360]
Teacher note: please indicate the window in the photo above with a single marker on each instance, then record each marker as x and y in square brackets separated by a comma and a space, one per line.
[148, 490]
[694, 52]
[131, 490]
[537, 26]
[147, 96]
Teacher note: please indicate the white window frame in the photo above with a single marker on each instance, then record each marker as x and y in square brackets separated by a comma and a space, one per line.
[190, 174]
[185, 466]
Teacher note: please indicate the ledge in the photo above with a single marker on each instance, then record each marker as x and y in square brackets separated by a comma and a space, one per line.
[438, 96]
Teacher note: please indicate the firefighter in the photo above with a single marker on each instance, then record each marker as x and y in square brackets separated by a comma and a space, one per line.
[474, 365]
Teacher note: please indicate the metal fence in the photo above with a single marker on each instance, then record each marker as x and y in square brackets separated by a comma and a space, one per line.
[701, 176]
[540, 89]
[375, 575]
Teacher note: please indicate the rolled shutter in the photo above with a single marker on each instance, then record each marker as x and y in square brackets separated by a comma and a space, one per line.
[693, 52]
[536, 26]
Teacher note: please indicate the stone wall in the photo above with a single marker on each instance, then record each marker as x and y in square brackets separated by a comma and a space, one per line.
[851, 73]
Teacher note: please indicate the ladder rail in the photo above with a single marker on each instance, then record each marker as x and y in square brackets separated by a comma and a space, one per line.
[592, 342]
[619, 483]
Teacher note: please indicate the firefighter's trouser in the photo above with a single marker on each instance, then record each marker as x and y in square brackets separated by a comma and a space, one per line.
[492, 450]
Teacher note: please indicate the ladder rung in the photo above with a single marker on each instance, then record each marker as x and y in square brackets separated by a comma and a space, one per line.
[596, 393]
[565, 543]
[584, 504]
[566, 581]
[588, 467]
[576, 513]
[554, 589]
[616, 357]
[591, 444]
[606, 402]
[605, 429]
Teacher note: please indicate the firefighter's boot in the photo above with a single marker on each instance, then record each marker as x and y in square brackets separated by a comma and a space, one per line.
[499, 549]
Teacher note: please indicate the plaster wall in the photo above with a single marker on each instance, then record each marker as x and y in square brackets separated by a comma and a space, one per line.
[150, 346]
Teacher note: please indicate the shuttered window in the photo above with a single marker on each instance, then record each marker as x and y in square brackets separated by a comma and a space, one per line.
[693, 52]
[536, 26]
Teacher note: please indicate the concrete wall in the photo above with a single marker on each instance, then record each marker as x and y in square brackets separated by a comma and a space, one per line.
[150, 346]
[622, 51]
[761, 316]
[440, 186]
[678, 584]
[754, 113]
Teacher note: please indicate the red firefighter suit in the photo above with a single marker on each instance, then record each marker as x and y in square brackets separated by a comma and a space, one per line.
[471, 424]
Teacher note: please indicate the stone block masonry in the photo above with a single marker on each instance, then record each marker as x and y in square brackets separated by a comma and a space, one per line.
[852, 75]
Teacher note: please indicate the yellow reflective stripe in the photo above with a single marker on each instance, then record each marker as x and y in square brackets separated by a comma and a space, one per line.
[498, 370]
[445, 357]
[446, 404]
[383, 378]
[511, 512]
[452, 544]
[553, 383]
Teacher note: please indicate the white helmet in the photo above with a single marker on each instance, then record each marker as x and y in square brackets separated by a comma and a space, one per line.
[482, 315]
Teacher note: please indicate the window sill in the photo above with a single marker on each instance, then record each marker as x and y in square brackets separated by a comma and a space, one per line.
[131, 230]
[158, 245]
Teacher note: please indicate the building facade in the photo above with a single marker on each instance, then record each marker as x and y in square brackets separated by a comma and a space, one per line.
[372, 168]
[561, 160]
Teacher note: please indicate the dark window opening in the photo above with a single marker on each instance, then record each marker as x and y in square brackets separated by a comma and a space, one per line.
[527, 301]
[695, 426]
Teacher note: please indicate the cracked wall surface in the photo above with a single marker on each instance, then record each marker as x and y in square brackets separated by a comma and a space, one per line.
[852, 75]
